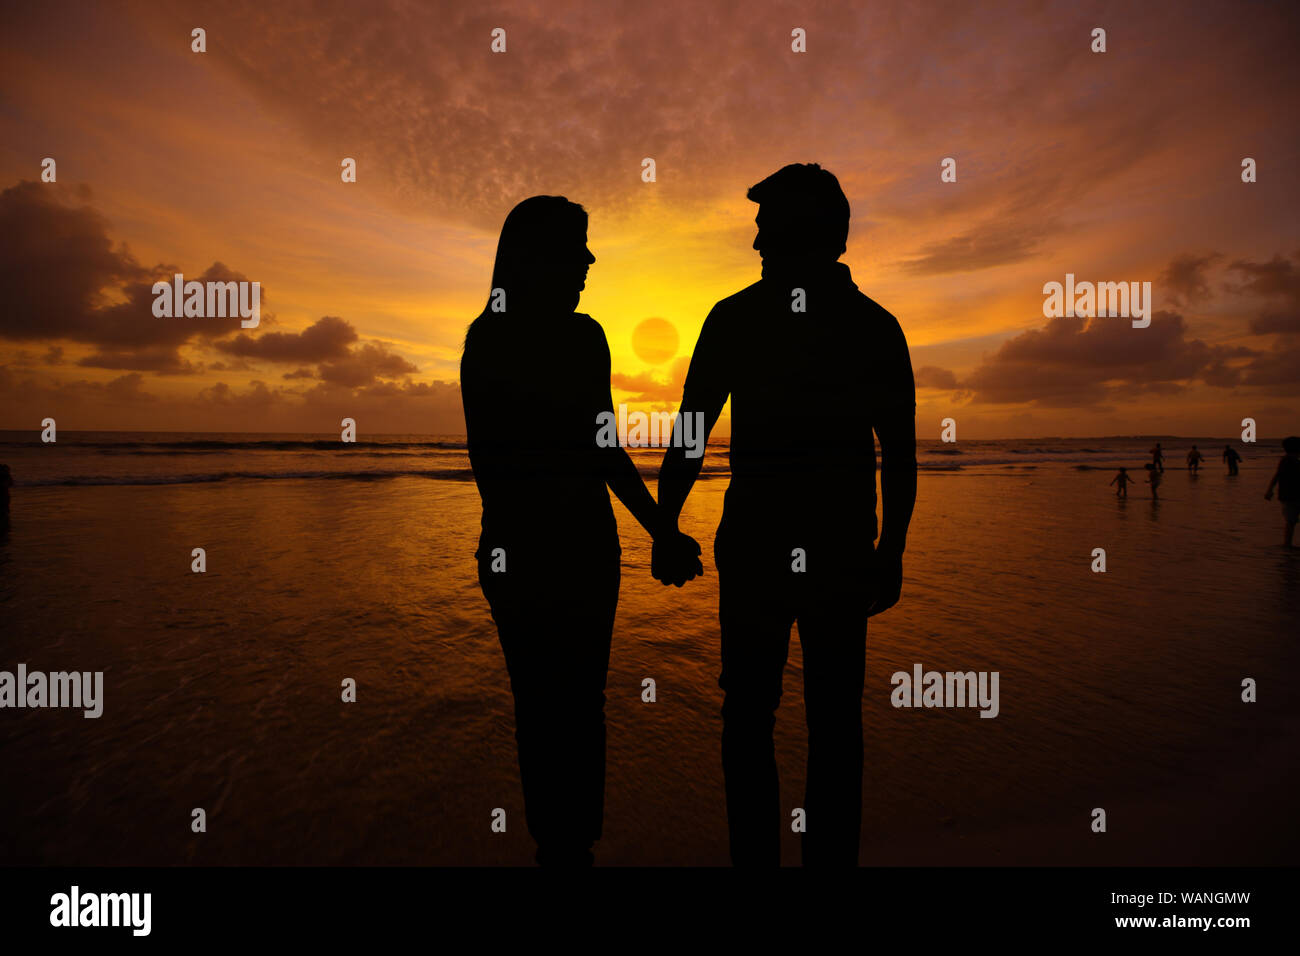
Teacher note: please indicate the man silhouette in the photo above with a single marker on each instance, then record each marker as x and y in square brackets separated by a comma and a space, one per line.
[812, 366]
[1231, 457]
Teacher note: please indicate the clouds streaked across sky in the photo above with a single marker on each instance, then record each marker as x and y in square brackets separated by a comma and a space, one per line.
[1123, 166]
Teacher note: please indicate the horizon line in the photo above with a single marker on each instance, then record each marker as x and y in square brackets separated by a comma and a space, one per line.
[165, 431]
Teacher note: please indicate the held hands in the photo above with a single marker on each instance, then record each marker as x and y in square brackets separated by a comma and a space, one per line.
[675, 558]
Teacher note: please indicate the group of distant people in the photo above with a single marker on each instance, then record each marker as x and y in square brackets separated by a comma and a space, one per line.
[1286, 479]
[1194, 459]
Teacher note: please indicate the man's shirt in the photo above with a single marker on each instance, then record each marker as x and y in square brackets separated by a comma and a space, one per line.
[806, 390]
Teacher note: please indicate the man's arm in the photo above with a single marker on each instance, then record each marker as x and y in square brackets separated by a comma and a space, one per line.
[677, 474]
[703, 396]
[674, 559]
[895, 425]
[704, 393]
[897, 433]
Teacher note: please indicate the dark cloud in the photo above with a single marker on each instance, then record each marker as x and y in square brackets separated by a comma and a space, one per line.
[63, 279]
[257, 398]
[328, 342]
[1278, 282]
[931, 376]
[1184, 280]
[1271, 322]
[1277, 277]
[125, 403]
[1073, 361]
[163, 360]
[239, 365]
[329, 337]
[1274, 367]
[365, 365]
[56, 265]
[67, 401]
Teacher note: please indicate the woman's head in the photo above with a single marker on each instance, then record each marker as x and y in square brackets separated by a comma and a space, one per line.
[542, 257]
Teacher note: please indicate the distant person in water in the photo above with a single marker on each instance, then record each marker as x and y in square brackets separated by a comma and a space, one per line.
[6, 482]
[1158, 457]
[1154, 479]
[548, 555]
[1287, 481]
[1122, 479]
[1194, 459]
[1231, 457]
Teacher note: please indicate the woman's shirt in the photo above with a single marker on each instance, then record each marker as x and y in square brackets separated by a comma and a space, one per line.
[532, 388]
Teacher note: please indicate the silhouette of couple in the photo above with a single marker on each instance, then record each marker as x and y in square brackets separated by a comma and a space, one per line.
[812, 367]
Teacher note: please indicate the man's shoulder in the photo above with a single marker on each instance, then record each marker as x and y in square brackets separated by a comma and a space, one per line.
[739, 302]
[588, 329]
[856, 304]
[880, 324]
[871, 309]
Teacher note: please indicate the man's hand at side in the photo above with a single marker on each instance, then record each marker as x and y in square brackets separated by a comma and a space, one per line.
[886, 582]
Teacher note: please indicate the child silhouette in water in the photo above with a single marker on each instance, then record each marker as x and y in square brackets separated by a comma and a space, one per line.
[1122, 479]
[1153, 479]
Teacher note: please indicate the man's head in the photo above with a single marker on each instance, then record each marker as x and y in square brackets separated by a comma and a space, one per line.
[803, 215]
[1291, 445]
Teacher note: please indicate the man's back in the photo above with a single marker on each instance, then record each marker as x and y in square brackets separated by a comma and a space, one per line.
[806, 388]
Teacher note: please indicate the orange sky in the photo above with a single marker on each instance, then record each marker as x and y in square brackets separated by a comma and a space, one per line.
[1122, 166]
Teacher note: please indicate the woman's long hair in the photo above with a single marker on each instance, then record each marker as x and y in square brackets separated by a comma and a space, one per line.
[530, 237]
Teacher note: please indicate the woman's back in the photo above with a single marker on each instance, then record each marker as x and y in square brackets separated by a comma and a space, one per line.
[532, 389]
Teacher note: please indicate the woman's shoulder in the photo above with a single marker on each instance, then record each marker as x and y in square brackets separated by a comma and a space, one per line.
[589, 330]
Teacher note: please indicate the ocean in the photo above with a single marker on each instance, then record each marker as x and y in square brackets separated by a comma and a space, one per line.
[1119, 690]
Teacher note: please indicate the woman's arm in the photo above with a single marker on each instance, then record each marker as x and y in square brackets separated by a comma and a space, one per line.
[614, 461]
[626, 482]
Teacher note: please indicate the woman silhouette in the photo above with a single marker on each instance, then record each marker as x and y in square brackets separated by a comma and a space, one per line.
[534, 377]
